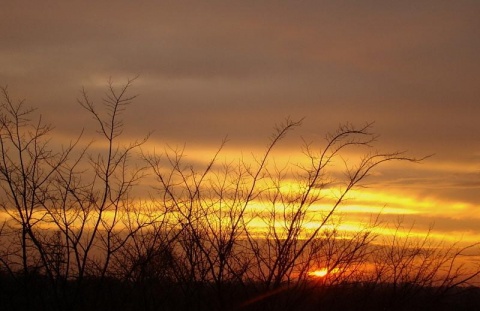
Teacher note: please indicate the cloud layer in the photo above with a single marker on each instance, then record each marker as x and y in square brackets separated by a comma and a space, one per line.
[215, 68]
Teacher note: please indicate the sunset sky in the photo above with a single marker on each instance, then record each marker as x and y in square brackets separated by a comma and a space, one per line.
[208, 69]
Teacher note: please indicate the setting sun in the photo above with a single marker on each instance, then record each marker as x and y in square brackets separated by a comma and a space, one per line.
[321, 273]
[318, 273]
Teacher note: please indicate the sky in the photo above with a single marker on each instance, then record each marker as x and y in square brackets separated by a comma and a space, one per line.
[207, 69]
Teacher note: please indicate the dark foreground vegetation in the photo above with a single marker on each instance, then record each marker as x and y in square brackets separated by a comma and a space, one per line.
[79, 231]
[113, 294]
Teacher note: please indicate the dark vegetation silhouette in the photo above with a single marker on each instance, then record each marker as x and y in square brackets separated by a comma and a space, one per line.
[77, 235]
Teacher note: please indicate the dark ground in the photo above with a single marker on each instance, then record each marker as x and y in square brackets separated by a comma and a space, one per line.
[36, 293]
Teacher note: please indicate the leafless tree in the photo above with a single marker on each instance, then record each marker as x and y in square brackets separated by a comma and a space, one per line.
[411, 262]
[287, 240]
[29, 164]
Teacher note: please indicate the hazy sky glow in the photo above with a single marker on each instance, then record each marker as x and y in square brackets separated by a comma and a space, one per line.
[215, 68]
